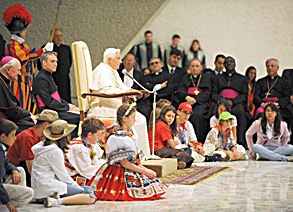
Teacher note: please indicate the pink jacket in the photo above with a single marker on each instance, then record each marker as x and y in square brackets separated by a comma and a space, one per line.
[279, 140]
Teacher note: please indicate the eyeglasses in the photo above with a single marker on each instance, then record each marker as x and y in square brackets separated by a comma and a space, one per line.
[15, 69]
[185, 112]
[153, 63]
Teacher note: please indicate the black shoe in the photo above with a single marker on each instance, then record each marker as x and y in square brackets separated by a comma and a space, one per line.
[212, 158]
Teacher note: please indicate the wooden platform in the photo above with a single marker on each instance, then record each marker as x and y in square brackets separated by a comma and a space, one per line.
[162, 167]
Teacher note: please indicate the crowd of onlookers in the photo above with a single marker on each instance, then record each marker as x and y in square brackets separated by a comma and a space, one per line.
[188, 112]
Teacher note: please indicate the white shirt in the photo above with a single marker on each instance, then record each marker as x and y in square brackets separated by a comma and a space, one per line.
[49, 174]
[189, 134]
[127, 80]
[79, 157]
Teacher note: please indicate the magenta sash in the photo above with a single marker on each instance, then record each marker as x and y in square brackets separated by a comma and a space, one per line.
[56, 96]
[2, 116]
[40, 101]
[192, 89]
[268, 99]
[229, 93]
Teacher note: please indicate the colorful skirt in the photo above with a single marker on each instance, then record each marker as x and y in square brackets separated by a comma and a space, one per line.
[113, 182]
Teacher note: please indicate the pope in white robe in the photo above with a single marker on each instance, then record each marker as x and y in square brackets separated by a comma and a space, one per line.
[106, 80]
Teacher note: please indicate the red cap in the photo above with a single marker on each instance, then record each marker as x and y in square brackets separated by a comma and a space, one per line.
[185, 106]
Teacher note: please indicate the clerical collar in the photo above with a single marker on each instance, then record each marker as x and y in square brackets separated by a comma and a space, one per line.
[46, 72]
[195, 76]
[273, 77]
[157, 73]
[5, 79]
[231, 73]
[17, 38]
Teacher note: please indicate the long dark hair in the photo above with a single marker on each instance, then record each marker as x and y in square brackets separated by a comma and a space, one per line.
[223, 102]
[62, 143]
[277, 122]
[166, 109]
[253, 80]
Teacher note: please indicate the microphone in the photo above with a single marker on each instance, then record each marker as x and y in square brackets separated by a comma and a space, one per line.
[128, 75]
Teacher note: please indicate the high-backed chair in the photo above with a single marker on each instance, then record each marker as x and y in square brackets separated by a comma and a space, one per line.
[83, 75]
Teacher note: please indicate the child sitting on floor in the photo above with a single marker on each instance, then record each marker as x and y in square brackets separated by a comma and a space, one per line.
[186, 138]
[123, 177]
[13, 190]
[222, 138]
[49, 176]
[164, 144]
[84, 157]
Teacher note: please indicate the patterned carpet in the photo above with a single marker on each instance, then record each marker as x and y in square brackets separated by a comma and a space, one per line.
[194, 175]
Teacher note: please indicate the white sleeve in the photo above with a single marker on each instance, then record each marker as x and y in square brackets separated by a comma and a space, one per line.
[56, 161]
[190, 132]
[79, 157]
[213, 121]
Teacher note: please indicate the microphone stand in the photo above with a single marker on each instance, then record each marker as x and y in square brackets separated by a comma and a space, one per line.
[154, 91]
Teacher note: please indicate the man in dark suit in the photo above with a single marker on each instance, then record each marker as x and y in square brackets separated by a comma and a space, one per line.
[129, 63]
[176, 74]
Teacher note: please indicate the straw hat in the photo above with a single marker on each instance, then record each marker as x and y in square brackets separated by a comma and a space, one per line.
[47, 115]
[58, 129]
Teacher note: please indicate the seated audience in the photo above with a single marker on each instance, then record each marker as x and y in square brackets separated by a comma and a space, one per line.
[222, 138]
[84, 157]
[47, 94]
[130, 180]
[9, 105]
[164, 144]
[49, 176]
[272, 137]
[13, 190]
[20, 153]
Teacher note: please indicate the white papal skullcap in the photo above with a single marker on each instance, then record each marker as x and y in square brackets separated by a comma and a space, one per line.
[110, 53]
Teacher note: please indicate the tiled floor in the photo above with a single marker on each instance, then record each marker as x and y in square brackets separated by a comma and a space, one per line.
[248, 186]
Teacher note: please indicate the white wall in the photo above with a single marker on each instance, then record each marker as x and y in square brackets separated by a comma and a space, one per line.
[251, 31]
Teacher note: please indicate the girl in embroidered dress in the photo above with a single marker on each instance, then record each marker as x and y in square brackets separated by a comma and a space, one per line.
[164, 144]
[222, 138]
[123, 177]
[272, 136]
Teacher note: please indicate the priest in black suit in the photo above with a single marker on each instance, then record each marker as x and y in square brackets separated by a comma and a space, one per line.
[195, 88]
[61, 76]
[233, 87]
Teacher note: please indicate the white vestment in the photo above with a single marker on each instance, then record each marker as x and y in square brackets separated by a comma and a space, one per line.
[106, 80]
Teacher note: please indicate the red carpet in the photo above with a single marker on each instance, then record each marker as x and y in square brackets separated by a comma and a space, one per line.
[194, 175]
